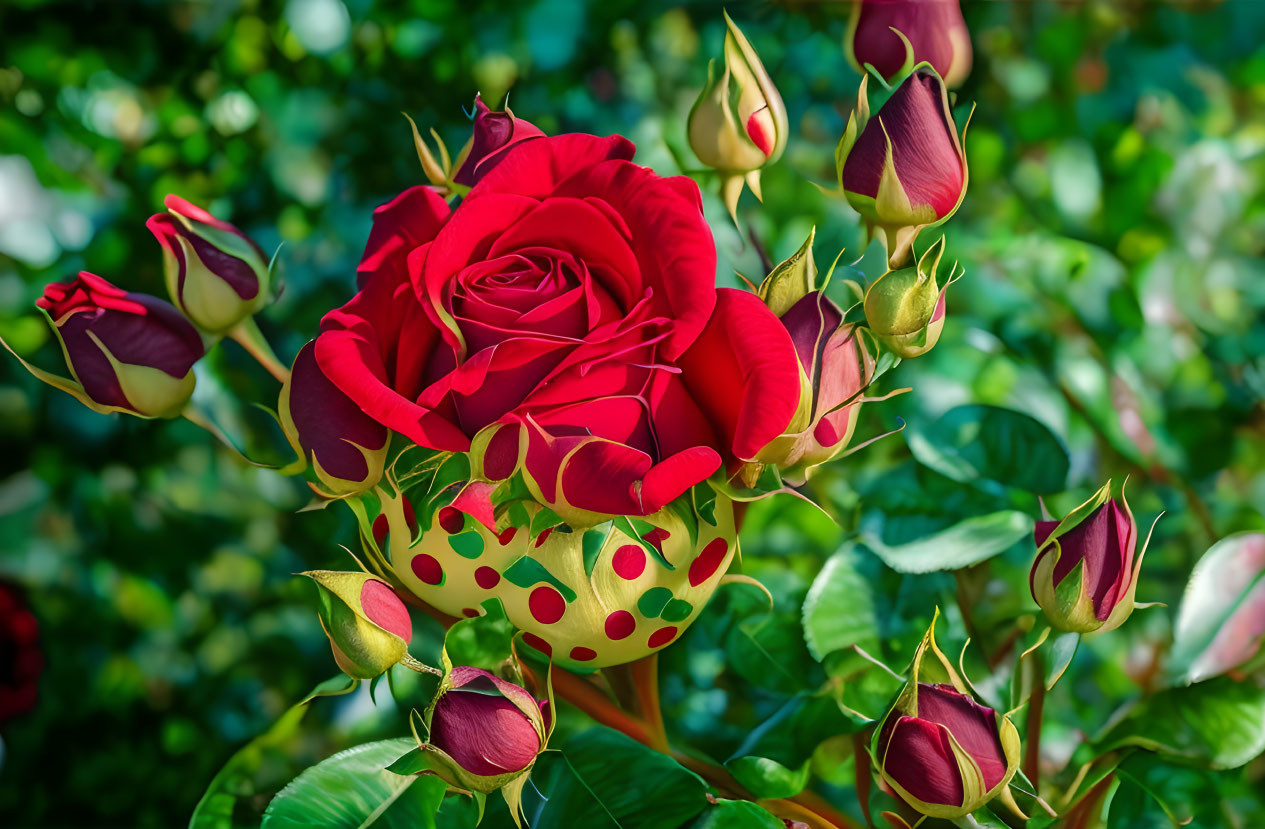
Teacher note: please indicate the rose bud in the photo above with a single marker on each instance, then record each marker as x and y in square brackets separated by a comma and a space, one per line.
[738, 124]
[367, 624]
[21, 660]
[484, 732]
[904, 169]
[215, 274]
[128, 352]
[905, 307]
[495, 134]
[891, 36]
[1085, 572]
[834, 368]
[346, 447]
[940, 750]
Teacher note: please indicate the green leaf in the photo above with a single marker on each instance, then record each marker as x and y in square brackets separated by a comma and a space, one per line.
[483, 641]
[1219, 723]
[1228, 582]
[236, 780]
[767, 778]
[968, 443]
[353, 790]
[603, 779]
[967, 542]
[839, 609]
[737, 814]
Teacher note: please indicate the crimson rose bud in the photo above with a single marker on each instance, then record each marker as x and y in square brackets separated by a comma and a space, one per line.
[346, 447]
[941, 751]
[21, 660]
[128, 352]
[485, 732]
[930, 30]
[495, 134]
[367, 624]
[1085, 572]
[215, 273]
[903, 169]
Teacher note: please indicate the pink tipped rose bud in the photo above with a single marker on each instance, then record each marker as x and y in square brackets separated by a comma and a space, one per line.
[930, 30]
[346, 447]
[484, 731]
[215, 273]
[495, 134]
[128, 352]
[929, 739]
[1085, 573]
[904, 168]
[368, 626]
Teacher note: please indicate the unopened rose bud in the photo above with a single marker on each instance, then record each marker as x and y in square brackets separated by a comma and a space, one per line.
[367, 624]
[495, 134]
[1085, 573]
[215, 273]
[930, 30]
[738, 125]
[484, 731]
[128, 352]
[941, 751]
[834, 368]
[904, 168]
[346, 447]
[905, 307]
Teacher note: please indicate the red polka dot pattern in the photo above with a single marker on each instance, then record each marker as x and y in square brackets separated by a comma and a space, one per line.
[540, 539]
[427, 569]
[470, 613]
[380, 528]
[452, 520]
[661, 637]
[507, 536]
[629, 562]
[538, 643]
[620, 625]
[487, 578]
[546, 605]
[708, 562]
[580, 654]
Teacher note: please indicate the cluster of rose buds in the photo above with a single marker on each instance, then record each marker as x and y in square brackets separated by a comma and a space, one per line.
[134, 353]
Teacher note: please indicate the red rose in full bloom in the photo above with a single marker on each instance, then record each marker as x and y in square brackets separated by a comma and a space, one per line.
[564, 322]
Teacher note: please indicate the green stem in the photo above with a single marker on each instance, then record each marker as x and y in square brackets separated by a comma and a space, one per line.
[247, 334]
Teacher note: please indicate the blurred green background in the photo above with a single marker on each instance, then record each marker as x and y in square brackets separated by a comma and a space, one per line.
[1112, 238]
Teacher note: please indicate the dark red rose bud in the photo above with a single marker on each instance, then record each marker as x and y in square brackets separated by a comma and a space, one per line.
[21, 660]
[216, 274]
[933, 32]
[346, 447]
[925, 741]
[495, 134]
[484, 731]
[904, 169]
[1085, 572]
[128, 352]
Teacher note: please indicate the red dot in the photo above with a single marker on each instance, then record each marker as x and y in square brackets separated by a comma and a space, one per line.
[656, 537]
[470, 613]
[546, 605]
[380, 528]
[708, 561]
[507, 536]
[661, 637]
[620, 625]
[487, 578]
[410, 517]
[583, 654]
[538, 643]
[629, 561]
[543, 535]
[452, 520]
[427, 568]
